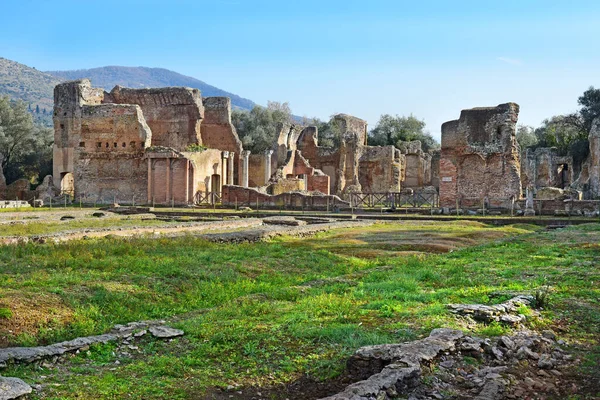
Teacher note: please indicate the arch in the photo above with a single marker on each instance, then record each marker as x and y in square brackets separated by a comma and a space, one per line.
[67, 184]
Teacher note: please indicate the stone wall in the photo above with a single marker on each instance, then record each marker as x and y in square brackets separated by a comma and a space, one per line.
[545, 168]
[479, 160]
[69, 99]
[418, 165]
[379, 169]
[241, 196]
[108, 160]
[353, 166]
[173, 114]
[176, 177]
[133, 145]
[589, 178]
[219, 133]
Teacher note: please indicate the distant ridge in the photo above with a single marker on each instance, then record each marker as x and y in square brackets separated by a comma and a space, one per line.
[36, 88]
[144, 77]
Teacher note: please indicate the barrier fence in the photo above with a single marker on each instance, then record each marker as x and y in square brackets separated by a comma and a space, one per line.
[416, 199]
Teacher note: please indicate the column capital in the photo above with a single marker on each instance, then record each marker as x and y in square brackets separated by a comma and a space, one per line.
[245, 153]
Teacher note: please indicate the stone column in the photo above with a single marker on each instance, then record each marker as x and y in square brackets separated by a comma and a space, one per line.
[268, 154]
[245, 156]
[529, 208]
[150, 179]
[224, 162]
[168, 181]
[230, 168]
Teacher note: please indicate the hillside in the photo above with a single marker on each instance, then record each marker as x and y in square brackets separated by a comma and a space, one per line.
[20, 82]
[143, 77]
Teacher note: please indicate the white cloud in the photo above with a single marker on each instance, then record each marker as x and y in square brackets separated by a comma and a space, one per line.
[511, 61]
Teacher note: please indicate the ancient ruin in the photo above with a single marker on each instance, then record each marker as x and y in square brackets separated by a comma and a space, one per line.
[161, 146]
[169, 146]
[479, 161]
[589, 179]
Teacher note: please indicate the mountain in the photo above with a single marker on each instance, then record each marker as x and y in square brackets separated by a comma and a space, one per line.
[36, 88]
[143, 77]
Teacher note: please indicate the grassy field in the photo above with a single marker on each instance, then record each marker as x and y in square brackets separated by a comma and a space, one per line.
[54, 227]
[269, 313]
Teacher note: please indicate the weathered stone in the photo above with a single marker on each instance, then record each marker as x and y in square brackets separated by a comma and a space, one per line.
[589, 178]
[545, 362]
[480, 158]
[13, 388]
[30, 354]
[506, 312]
[165, 332]
[283, 220]
[543, 167]
[142, 145]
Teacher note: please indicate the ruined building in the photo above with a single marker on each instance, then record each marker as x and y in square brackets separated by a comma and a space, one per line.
[298, 163]
[158, 146]
[170, 146]
[589, 178]
[543, 167]
[479, 160]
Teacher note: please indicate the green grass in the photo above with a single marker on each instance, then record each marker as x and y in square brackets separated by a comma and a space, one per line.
[267, 313]
[79, 223]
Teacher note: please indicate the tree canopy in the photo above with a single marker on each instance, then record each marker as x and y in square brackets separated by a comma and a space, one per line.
[526, 136]
[392, 130]
[258, 129]
[26, 148]
[590, 107]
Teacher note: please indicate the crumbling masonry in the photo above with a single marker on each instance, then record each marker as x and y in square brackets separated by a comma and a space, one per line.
[162, 146]
[479, 164]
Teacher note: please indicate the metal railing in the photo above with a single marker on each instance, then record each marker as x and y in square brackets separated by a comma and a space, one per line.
[207, 198]
[416, 199]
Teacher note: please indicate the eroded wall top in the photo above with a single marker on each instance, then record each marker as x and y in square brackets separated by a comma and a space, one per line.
[490, 129]
[174, 114]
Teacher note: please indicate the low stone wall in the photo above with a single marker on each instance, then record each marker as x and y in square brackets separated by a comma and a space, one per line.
[573, 207]
[241, 196]
[14, 204]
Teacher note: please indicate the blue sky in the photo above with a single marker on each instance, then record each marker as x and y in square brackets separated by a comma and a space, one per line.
[366, 58]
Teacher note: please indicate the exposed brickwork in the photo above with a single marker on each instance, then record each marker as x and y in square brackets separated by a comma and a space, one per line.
[353, 166]
[174, 115]
[545, 168]
[479, 161]
[130, 145]
[238, 195]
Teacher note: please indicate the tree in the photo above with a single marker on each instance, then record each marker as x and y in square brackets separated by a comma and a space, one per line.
[392, 130]
[26, 149]
[329, 131]
[590, 107]
[567, 133]
[526, 136]
[258, 129]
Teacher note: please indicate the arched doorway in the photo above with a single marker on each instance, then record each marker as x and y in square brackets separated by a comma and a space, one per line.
[67, 184]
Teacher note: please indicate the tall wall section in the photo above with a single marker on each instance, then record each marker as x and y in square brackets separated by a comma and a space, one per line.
[479, 159]
[173, 114]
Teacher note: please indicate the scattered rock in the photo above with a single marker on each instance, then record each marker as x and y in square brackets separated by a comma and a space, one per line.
[165, 332]
[506, 312]
[12, 388]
